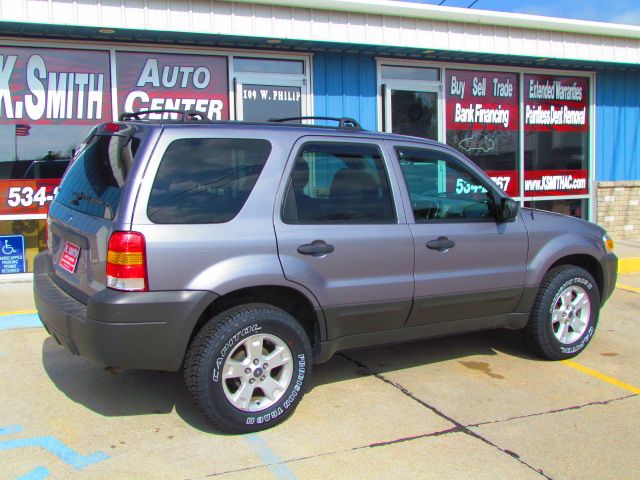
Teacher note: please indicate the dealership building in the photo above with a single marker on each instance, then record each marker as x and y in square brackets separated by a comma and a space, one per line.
[548, 107]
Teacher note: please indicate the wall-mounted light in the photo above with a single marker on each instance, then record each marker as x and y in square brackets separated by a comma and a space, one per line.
[106, 31]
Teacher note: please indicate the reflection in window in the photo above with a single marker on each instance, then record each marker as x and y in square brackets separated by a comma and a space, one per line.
[414, 113]
[98, 174]
[577, 207]
[261, 103]
[268, 65]
[212, 185]
[556, 150]
[441, 189]
[44, 146]
[338, 183]
[410, 73]
[489, 149]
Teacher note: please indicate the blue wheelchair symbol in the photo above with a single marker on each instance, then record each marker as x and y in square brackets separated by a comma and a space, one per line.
[7, 248]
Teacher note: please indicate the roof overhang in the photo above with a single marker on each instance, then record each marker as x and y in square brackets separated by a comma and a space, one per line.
[377, 27]
[443, 13]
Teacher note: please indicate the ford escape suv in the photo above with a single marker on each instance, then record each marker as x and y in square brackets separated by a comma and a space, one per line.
[244, 253]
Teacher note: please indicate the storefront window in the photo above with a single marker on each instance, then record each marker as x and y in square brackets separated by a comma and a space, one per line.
[20, 242]
[411, 96]
[576, 207]
[50, 100]
[157, 81]
[268, 89]
[268, 65]
[396, 72]
[483, 123]
[556, 146]
[262, 103]
[414, 113]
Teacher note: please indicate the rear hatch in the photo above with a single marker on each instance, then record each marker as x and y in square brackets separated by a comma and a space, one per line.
[88, 206]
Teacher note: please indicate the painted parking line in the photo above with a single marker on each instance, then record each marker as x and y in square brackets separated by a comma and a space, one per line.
[51, 444]
[38, 473]
[602, 377]
[15, 320]
[627, 288]
[268, 457]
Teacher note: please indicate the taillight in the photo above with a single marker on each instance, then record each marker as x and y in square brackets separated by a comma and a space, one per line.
[127, 262]
[111, 127]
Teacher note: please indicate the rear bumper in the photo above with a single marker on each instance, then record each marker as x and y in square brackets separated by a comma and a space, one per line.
[147, 330]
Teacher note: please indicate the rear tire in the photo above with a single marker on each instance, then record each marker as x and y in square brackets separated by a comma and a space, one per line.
[565, 314]
[248, 368]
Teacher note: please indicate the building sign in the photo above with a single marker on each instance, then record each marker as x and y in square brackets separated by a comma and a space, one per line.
[12, 257]
[483, 120]
[556, 103]
[154, 81]
[541, 183]
[53, 86]
[24, 197]
[481, 100]
[261, 103]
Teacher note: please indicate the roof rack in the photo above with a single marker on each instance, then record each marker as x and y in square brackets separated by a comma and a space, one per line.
[343, 122]
[186, 114]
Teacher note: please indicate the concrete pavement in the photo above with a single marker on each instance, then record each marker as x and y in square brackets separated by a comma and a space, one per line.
[471, 406]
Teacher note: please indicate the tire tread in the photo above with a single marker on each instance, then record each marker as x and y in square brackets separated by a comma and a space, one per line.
[199, 354]
[534, 334]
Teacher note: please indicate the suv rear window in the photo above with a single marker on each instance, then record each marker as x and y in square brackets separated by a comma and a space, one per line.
[95, 179]
[206, 180]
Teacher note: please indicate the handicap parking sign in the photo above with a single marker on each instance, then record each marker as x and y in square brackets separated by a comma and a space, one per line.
[12, 257]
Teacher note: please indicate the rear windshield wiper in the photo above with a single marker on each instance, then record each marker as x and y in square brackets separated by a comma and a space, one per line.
[77, 196]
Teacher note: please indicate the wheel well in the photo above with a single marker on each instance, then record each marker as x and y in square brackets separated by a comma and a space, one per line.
[288, 299]
[587, 262]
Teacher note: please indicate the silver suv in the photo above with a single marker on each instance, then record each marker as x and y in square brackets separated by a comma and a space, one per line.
[243, 253]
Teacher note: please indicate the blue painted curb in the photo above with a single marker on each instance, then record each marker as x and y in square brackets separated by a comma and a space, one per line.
[17, 321]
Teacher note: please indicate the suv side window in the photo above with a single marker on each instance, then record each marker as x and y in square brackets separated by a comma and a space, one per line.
[441, 189]
[333, 183]
[206, 180]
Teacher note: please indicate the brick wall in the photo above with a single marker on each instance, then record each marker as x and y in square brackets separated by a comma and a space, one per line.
[618, 205]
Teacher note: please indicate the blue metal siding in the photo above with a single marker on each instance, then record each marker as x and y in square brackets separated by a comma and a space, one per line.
[617, 126]
[344, 85]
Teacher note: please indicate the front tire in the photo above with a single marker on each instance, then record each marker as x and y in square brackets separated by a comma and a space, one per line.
[565, 314]
[248, 368]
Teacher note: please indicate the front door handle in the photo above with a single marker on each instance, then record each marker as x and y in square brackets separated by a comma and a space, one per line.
[442, 244]
[317, 248]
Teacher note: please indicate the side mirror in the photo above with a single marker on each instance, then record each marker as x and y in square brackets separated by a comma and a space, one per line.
[507, 210]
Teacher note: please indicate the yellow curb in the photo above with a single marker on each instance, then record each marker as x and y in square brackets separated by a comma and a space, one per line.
[19, 312]
[628, 288]
[629, 265]
[602, 377]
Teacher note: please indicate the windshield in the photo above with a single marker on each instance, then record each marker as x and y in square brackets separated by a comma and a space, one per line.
[97, 175]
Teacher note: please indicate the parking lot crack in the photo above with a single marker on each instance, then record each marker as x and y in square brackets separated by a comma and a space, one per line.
[551, 412]
[457, 425]
[415, 437]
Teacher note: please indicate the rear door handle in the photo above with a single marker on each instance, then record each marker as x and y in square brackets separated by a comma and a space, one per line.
[317, 248]
[442, 244]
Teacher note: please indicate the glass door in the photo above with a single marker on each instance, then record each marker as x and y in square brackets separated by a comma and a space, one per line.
[263, 99]
[412, 110]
